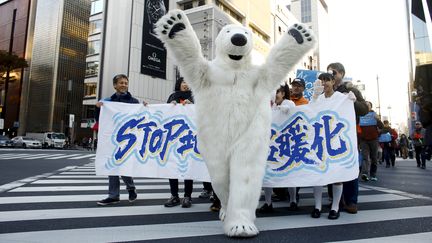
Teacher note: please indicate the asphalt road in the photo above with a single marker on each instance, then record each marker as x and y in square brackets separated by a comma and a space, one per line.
[58, 204]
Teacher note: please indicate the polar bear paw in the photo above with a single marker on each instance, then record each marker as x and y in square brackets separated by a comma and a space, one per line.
[241, 229]
[301, 34]
[171, 23]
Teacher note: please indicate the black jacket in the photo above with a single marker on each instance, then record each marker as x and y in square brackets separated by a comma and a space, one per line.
[360, 105]
[179, 96]
[124, 98]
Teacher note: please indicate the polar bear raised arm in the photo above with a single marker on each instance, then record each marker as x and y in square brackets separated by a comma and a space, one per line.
[286, 53]
[176, 32]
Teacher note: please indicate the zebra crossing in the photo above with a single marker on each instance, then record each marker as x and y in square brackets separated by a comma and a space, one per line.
[49, 156]
[61, 207]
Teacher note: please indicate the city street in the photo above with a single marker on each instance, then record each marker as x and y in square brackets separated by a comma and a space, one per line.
[54, 200]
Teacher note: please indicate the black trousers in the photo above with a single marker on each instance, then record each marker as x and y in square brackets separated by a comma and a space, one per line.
[188, 187]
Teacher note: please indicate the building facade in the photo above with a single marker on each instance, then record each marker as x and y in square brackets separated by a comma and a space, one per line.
[14, 22]
[314, 13]
[57, 70]
[124, 42]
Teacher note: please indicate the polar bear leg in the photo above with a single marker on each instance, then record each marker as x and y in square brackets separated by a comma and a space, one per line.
[219, 173]
[247, 167]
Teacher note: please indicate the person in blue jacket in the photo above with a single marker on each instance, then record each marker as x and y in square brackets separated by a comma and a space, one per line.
[121, 84]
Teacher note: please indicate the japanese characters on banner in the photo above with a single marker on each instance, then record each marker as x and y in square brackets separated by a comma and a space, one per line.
[310, 145]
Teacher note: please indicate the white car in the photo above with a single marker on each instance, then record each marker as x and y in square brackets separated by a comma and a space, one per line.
[26, 142]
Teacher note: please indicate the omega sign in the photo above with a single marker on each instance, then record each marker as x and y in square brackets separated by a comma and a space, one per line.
[154, 58]
[153, 53]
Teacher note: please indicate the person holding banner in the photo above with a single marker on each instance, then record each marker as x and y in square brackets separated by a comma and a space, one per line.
[298, 86]
[325, 83]
[283, 103]
[121, 84]
[350, 188]
[182, 95]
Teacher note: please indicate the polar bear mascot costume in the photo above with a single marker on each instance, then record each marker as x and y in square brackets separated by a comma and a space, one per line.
[232, 101]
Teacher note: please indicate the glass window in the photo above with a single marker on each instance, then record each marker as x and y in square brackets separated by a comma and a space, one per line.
[201, 2]
[95, 26]
[187, 5]
[92, 68]
[96, 7]
[306, 12]
[93, 47]
[89, 90]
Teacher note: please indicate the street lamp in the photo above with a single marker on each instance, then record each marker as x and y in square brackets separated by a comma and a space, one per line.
[389, 111]
[379, 102]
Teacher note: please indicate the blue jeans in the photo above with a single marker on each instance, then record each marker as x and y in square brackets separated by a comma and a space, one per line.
[114, 185]
[350, 191]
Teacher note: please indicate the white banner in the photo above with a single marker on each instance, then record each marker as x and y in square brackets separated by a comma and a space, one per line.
[313, 144]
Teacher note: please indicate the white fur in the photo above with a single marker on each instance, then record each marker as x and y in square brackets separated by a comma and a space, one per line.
[233, 110]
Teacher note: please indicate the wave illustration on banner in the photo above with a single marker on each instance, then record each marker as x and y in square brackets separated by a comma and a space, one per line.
[310, 145]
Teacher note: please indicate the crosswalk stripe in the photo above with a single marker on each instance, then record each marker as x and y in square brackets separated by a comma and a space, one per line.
[76, 176]
[29, 156]
[22, 156]
[9, 155]
[420, 237]
[83, 156]
[42, 156]
[83, 188]
[75, 173]
[95, 181]
[147, 196]
[206, 228]
[98, 188]
[64, 156]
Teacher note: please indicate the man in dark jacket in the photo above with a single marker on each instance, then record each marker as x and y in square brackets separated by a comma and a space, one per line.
[121, 84]
[350, 188]
[368, 137]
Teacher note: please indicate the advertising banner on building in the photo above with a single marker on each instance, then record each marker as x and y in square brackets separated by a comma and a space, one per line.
[153, 53]
[312, 144]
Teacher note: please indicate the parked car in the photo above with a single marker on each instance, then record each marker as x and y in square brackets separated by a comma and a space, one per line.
[5, 141]
[49, 139]
[26, 142]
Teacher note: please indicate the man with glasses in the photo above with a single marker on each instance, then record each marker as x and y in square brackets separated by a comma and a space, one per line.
[350, 188]
[418, 138]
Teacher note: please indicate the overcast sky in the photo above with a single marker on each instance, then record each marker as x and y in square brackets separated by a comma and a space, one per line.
[371, 39]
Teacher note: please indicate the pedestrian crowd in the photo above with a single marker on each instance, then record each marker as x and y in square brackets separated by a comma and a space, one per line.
[378, 143]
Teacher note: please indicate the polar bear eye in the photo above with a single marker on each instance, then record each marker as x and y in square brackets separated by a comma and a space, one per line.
[228, 31]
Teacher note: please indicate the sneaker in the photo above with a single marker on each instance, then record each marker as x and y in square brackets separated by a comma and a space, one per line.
[293, 206]
[215, 207]
[316, 213]
[108, 201]
[373, 178]
[205, 194]
[387, 166]
[173, 201]
[186, 202]
[364, 177]
[132, 195]
[423, 167]
[333, 214]
[265, 208]
[351, 208]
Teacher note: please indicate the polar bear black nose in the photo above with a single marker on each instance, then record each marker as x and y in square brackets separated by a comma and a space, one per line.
[239, 40]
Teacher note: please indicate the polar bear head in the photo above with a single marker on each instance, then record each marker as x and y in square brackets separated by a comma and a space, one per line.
[234, 43]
